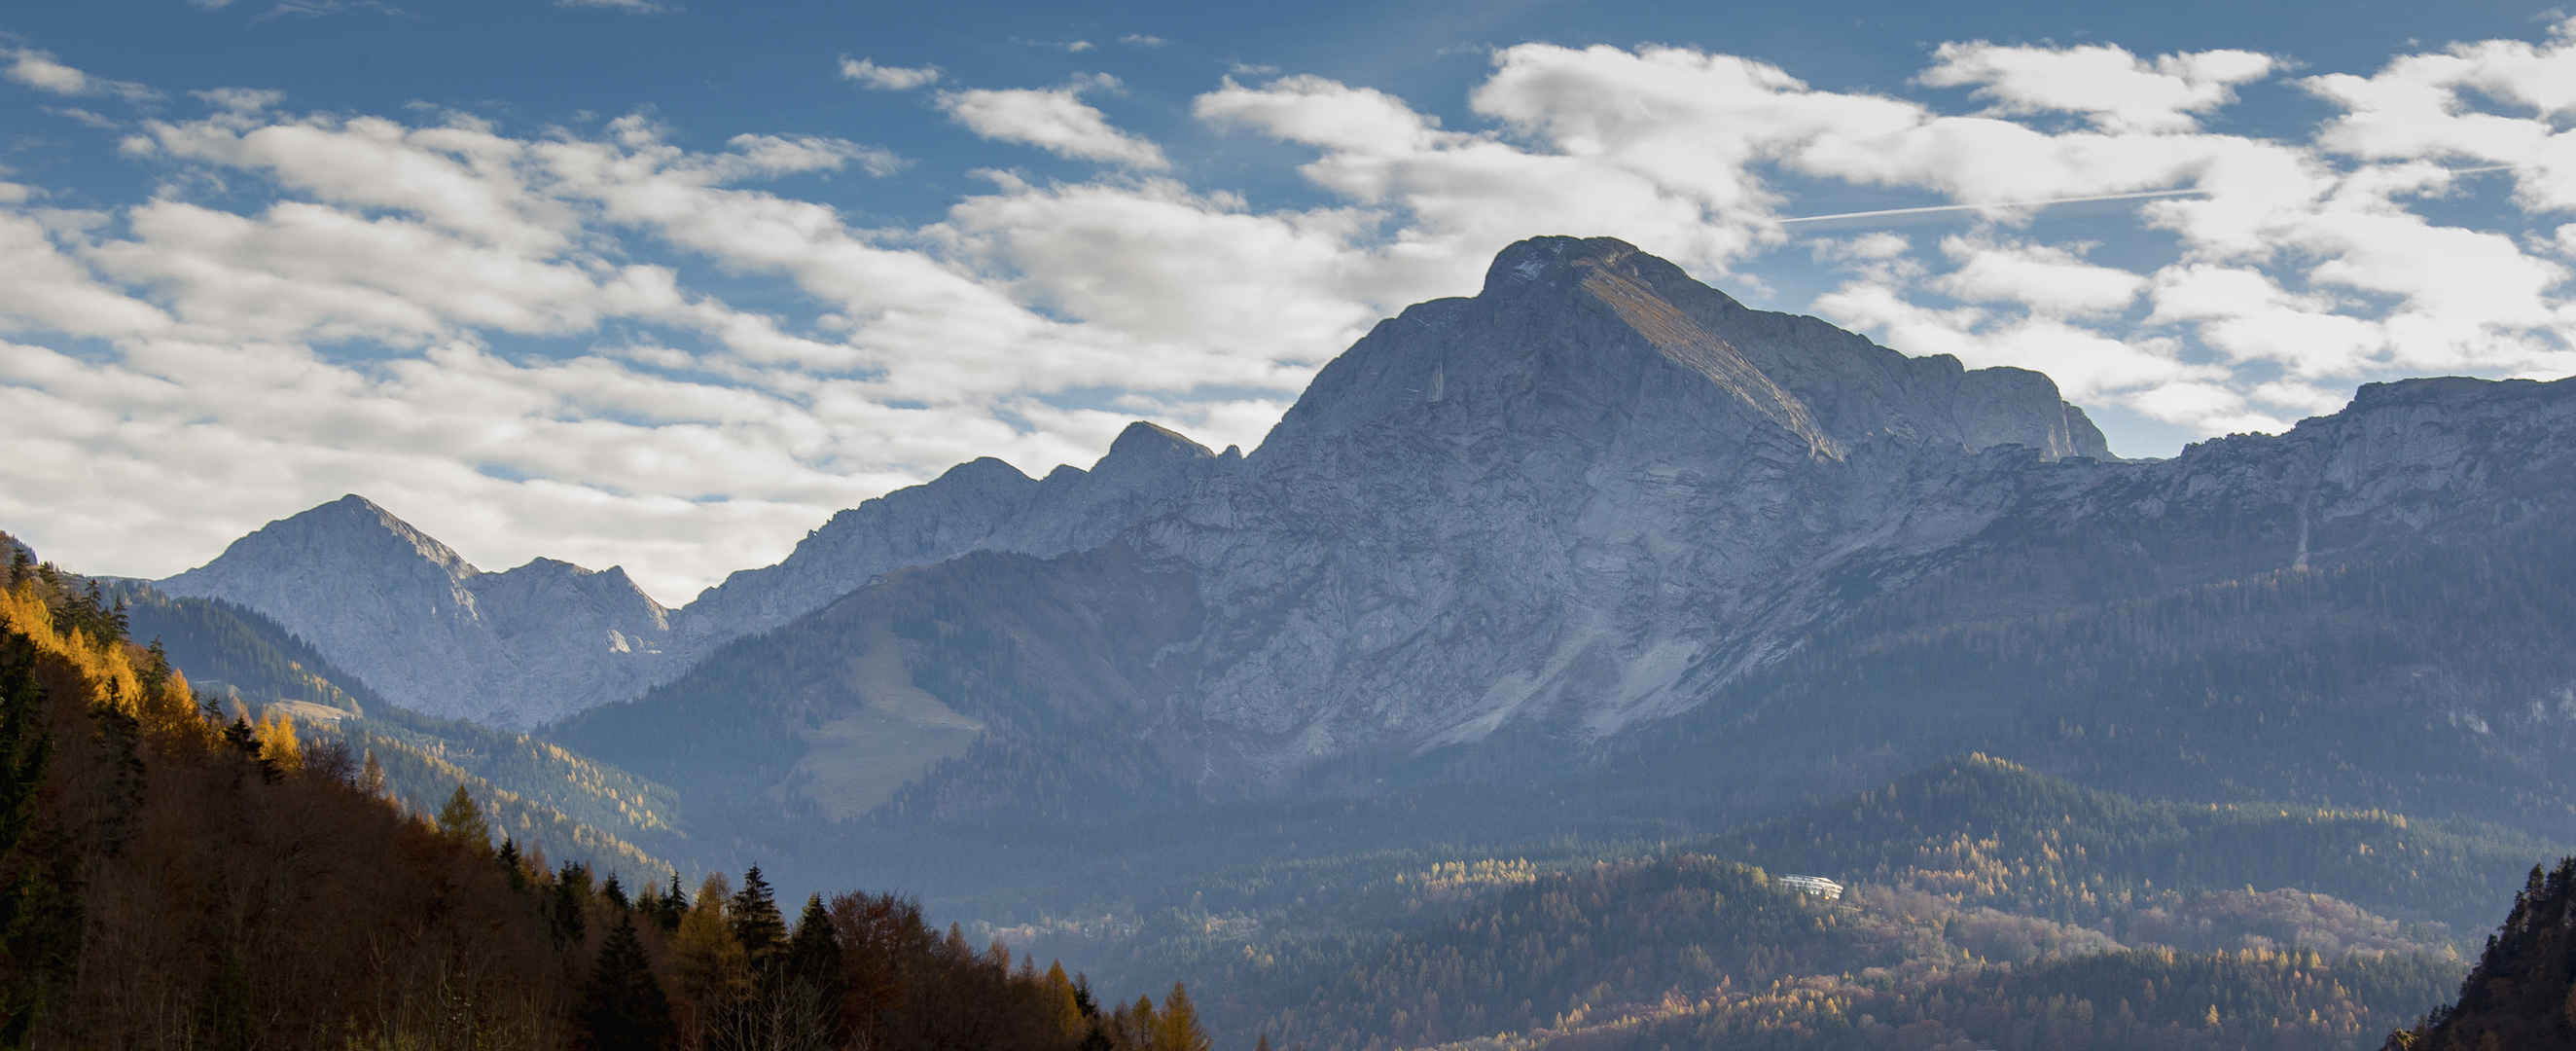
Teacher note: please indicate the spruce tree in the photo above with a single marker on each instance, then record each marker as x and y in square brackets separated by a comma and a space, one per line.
[614, 893]
[156, 668]
[814, 953]
[675, 904]
[512, 866]
[572, 899]
[756, 923]
[624, 1005]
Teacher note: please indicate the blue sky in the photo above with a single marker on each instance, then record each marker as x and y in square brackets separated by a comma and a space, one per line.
[663, 285]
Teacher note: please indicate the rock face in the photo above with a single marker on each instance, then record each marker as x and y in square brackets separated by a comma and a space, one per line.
[981, 505]
[1582, 496]
[545, 640]
[1577, 500]
[428, 630]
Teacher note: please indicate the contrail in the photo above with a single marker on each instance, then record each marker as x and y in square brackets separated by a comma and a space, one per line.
[1930, 209]
[2138, 196]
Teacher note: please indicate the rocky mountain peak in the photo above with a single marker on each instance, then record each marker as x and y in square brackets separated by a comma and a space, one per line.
[350, 534]
[1593, 336]
[1147, 449]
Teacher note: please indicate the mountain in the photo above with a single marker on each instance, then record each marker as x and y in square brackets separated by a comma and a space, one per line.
[531, 645]
[1601, 521]
[418, 623]
[2374, 610]
[980, 505]
[1573, 501]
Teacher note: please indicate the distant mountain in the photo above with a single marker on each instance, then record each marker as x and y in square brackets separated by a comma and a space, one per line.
[430, 631]
[981, 505]
[547, 639]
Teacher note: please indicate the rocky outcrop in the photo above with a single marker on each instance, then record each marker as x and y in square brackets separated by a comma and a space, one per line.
[427, 630]
[981, 505]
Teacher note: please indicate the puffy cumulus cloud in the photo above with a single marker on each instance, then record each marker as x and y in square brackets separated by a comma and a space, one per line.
[1055, 120]
[1243, 298]
[2114, 89]
[43, 72]
[1454, 198]
[2047, 279]
[874, 77]
[461, 177]
[44, 289]
[2502, 102]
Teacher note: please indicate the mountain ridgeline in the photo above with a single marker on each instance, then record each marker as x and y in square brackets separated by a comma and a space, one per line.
[1597, 523]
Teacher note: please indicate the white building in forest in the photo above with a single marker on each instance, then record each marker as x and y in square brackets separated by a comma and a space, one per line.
[1815, 885]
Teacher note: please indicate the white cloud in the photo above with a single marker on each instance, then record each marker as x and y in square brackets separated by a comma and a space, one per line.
[2498, 101]
[874, 77]
[2047, 279]
[1142, 40]
[42, 289]
[1055, 120]
[2117, 90]
[241, 100]
[41, 71]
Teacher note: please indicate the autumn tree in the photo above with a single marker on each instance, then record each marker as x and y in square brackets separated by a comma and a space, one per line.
[462, 822]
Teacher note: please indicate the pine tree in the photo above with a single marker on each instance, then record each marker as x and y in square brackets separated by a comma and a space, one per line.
[156, 667]
[755, 920]
[512, 866]
[371, 780]
[462, 822]
[572, 899]
[814, 954]
[675, 904]
[624, 1006]
[22, 566]
[614, 893]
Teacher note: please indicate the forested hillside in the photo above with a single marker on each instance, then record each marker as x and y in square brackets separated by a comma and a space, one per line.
[2523, 992]
[1995, 833]
[169, 877]
[534, 790]
[1694, 951]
